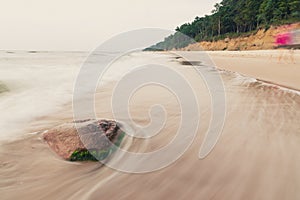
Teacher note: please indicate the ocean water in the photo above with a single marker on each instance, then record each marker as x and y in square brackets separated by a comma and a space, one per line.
[33, 84]
[36, 84]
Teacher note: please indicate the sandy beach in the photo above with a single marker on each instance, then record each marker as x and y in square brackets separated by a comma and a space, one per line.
[256, 157]
[264, 65]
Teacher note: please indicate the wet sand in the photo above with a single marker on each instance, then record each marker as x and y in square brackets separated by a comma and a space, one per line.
[257, 156]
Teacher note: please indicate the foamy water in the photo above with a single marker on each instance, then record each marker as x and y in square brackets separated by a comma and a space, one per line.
[34, 84]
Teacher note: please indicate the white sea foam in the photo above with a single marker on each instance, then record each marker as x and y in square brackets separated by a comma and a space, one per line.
[38, 83]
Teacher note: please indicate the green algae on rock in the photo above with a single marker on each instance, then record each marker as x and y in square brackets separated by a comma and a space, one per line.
[95, 154]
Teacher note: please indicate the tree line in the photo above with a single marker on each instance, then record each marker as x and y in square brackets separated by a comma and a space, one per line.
[232, 18]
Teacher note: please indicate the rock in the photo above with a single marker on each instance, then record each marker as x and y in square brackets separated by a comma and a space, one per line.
[88, 140]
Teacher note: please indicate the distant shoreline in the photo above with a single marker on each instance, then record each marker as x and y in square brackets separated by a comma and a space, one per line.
[262, 65]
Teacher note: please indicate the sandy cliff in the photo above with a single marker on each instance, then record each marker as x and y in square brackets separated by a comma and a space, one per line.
[263, 39]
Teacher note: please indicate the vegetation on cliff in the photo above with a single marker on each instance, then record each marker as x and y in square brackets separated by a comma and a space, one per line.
[233, 18]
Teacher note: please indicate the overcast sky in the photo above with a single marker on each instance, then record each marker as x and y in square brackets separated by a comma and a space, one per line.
[84, 24]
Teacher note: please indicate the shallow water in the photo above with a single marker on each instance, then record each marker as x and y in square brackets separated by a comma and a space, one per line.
[36, 84]
[256, 157]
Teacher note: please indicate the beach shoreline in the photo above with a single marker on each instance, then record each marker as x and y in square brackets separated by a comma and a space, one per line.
[262, 65]
[258, 146]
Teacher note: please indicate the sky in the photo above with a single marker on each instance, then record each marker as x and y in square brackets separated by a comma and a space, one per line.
[82, 25]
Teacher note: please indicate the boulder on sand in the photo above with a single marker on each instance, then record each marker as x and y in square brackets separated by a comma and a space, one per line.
[85, 140]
